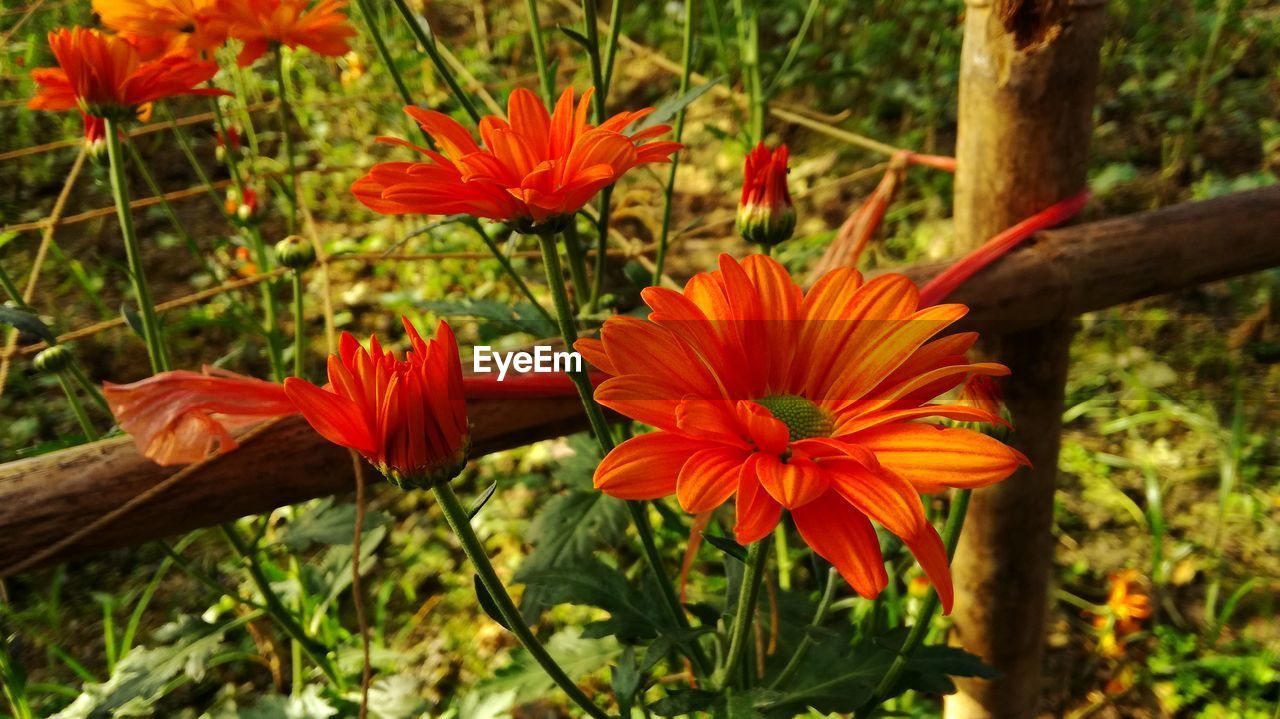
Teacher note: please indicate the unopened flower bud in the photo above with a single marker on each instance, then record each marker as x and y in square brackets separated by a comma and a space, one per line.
[295, 253]
[54, 359]
[765, 213]
[95, 135]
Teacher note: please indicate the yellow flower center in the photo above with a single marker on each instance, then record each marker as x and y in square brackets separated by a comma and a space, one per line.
[803, 418]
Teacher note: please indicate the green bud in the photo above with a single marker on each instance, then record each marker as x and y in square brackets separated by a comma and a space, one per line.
[295, 252]
[55, 359]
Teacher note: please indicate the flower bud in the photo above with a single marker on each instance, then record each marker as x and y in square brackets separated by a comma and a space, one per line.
[55, 359]
[95, 135]
[765, 213]
[243, 208]
[230, 141]
[295, 253]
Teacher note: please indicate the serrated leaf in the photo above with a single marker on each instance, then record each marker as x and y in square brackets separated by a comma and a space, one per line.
[728, 546]
[487, 602]
[306, 705]
[26, 321]
[567, 530]
[626, 680]
[592, 583]
[835, 678]
[667, 109]
[930, 670]
[329, 524]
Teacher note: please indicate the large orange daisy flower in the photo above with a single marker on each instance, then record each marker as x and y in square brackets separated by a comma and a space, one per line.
[257, 23]
[537, 168]
[160, 26]
[105, 76]
[798, 401]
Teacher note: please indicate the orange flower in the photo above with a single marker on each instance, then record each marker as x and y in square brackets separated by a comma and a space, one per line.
[259, 23]
[765, 213]
[536, 171]
[104, 76]
[160, 26]
[1127, 604]
[182, 417]
[800, 402]
[983, 392]
[408, 418]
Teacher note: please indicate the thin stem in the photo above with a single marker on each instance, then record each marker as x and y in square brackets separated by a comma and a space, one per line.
[428, 44]
[577, 263]
[276, 608]
[456, 515]
[184, 143]
[611, 46]
[10, 289]
[950, 537]
[510, 269]
[686, 69]
[806, 642]
[383, 52]
[77, 408]
[299, 326]
[282, 106]
[591, 30]
[602, 248]
[142, 293]
[794, 50]
[548, 82]
[167, 208]
[91, 389]
[757, 555]
[600, 427]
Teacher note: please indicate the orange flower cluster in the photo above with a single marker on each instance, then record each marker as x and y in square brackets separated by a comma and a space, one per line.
[802, 402]
[157, 51]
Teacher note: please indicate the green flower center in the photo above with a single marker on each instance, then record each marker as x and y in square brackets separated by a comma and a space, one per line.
[803, 418]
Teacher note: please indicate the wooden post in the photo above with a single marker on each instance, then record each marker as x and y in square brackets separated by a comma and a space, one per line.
[1027, 76]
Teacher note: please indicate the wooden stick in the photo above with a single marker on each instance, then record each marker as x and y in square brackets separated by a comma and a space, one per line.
[1059, 274]
[1028, 71]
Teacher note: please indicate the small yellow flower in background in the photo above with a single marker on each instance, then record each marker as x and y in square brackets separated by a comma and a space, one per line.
[918, 587]
[1127, 603]
[354, 69]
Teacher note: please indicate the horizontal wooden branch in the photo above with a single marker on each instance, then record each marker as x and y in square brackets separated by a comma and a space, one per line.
[1059, 274]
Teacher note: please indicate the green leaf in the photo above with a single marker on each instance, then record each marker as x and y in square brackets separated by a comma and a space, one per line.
[930, 670]
[26, 321]
[626, 680]
[728, 546]
[306, 705]
[145, 675]
[576, 37]
[396, 697]
[328, 524]
[132, 319]
[524, 681]
[590, 582]
[497, 318]
[835, 677]
[740, 705]
[669, 108]
[565, 533]
[480, 501]
[683, 701]
[487, 603]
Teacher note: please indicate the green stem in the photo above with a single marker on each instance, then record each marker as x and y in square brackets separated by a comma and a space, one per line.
[794, 50]
[950, 537]
[10, 289]
[286, 139]
[510, 269]
[428, 44]
[91, 389]
[577, 262]
[383, 52]
[611, 47]
[548, 82]
[167, 208]
[276, 608]
[686, 69]
[184, 143]
[142, 293]
[591, 30]
[744, 615]
[457, 517]
[299, 327]
[602, 249]
[14, 689]
[806, 642]
[600, 427]
[77, 408]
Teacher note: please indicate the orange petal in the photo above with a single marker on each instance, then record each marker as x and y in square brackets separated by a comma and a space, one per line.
[334, 417]
[931, 457]
[794, 483]
[645, 467]
[709, 478]
[843, 536]
[757, 512]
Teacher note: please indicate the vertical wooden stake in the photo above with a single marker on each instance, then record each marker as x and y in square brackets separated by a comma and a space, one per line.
[1027, 76]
